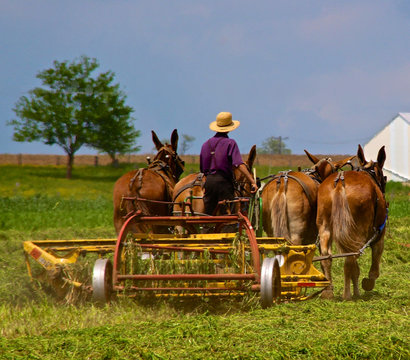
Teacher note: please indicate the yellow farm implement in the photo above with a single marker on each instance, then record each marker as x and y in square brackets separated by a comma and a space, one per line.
[203, 260]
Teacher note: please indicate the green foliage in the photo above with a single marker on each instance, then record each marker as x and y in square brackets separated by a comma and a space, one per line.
[33, 325]
[186, 143]
[73, 109]
[274, 145]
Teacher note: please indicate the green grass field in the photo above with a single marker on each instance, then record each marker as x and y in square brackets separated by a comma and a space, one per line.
[39, 203]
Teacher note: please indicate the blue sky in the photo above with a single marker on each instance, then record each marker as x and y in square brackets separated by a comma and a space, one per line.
[327, 75]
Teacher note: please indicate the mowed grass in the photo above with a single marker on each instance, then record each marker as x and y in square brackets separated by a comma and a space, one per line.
[39, 203]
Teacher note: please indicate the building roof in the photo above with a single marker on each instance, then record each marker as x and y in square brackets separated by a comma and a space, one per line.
[404, 116]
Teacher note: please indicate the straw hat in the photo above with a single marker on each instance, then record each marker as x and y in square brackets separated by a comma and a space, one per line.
[224, 122]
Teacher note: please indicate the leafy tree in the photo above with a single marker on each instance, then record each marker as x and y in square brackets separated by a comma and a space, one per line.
[113, 133]
[186, 142]
[73, 109]
[274, 145]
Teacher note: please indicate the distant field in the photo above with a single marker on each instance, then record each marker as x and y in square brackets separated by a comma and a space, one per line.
[286, 161]
[37, 202]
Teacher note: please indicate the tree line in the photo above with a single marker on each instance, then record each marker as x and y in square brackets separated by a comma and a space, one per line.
[75, 108]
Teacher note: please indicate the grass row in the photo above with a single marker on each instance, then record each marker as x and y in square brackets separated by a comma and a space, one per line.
[33, 325]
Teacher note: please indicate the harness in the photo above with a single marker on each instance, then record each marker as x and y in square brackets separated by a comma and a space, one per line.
[377, 229]
[162, 169]
[196, 182]
[286, 176]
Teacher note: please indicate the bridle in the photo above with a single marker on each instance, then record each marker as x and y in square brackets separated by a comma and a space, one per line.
[162, 162]
[314, 174]
[160, 165]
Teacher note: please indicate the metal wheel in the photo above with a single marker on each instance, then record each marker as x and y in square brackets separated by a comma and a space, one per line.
[102, 281]
[270, 282]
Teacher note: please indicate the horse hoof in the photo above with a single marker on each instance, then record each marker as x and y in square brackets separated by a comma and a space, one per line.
[368, 284]
[347, 297]
[327, 294]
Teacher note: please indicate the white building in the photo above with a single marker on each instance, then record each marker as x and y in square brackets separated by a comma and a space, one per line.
[396, 138]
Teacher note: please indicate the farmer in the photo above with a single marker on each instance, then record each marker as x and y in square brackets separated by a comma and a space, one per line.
[219, 155]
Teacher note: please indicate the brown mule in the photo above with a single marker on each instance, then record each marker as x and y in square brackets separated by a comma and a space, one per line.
[289, 201]
[352, 212]
[193, 184]
[153, 183]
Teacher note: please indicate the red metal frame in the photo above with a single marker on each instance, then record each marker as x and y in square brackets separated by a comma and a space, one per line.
[219, 221]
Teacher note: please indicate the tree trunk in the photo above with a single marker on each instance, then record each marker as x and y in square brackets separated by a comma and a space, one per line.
[70, 162]
[114, 160]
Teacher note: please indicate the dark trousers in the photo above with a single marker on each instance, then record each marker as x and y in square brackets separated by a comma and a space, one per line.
[217, 188]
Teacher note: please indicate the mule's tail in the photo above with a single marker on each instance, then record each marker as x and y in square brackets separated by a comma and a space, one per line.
[279, 218]
[344, 229]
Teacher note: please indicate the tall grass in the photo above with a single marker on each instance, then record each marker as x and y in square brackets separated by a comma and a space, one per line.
[39, 203]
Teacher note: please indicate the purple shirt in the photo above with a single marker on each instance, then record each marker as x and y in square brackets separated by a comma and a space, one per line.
[220, 154]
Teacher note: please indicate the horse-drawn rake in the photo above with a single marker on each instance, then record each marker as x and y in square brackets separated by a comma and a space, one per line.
[207, 256]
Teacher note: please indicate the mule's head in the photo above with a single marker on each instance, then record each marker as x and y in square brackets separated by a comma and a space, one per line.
[167, 154]
[325, 167]
[243, 186]
[375, 169]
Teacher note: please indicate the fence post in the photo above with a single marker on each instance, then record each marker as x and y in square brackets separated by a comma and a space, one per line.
[96, 161]
[20, 159]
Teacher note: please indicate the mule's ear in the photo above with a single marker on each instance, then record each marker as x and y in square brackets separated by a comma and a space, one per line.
[174, 139]
[360, 156]
[381, 157]
[339, 164]
[252, 156]
[312, 158]
[158, 144]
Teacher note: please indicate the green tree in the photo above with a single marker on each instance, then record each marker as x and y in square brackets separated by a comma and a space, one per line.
[73, 109]
[186, 142]
[113, 132]
[274, 145]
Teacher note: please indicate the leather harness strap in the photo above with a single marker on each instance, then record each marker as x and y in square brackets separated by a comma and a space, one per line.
[285, 175]
[159, 167]
[196, 182]
[137, 174]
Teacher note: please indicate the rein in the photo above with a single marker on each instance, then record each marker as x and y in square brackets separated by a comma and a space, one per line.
[239, 186]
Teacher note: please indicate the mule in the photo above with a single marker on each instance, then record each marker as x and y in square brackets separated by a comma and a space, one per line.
[352, 213]
[289, 201]
[193, 185]
[156, 182]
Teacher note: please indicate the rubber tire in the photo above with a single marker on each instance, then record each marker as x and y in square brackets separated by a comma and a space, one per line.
[270, 282]
[102, 281]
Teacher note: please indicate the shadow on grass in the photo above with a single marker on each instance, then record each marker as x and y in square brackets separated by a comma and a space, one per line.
[364, 296]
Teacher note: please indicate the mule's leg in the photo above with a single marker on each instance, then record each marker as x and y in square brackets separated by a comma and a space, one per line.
[377, 250]
[325, 250]
[355, 278]
[351, 272]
